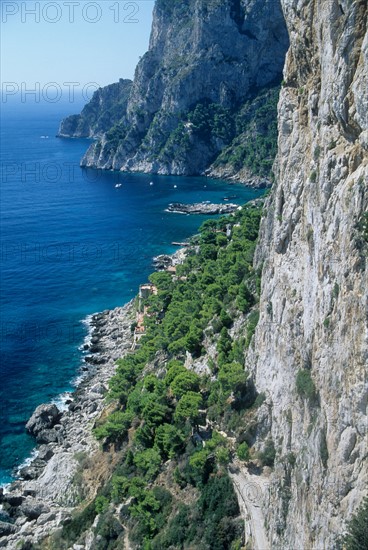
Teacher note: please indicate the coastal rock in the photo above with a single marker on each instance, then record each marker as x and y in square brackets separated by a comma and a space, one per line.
[42, 502]
[163, 261]
[202, 208]
[32, 509]
[44, 418]
[99, 389]
[45, 452]
[46, 518]
[12, 499]
[48, 436]
[6, 529]
[33, 470]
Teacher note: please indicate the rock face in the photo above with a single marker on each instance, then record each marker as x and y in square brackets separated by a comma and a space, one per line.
[205, 60]
[313, 310]
[106, 108]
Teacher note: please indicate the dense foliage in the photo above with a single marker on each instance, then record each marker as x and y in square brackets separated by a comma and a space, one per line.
[356, 537]
[162, 408]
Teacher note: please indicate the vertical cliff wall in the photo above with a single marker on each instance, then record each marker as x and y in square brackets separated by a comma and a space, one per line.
[310, 352]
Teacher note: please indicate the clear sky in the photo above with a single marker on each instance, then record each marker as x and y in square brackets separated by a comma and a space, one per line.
[77, 41]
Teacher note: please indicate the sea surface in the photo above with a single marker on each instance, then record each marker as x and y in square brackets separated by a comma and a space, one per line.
[72, 244]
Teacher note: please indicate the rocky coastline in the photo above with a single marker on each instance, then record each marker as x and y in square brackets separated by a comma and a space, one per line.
[43, 498]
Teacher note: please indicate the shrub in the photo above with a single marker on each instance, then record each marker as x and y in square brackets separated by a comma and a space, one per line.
[326, 322]
[243, 452]
[79, 523]
[101, 504]
[200, 467]
[169, 440]
[223, 455]
[305, 385]
[313, 176]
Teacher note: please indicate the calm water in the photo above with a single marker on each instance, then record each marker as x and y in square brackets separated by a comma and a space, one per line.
[72, 244]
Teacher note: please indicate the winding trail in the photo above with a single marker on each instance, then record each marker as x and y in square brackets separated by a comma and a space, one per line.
[250, 490]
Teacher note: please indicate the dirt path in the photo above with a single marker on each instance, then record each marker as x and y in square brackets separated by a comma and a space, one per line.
[250, 490]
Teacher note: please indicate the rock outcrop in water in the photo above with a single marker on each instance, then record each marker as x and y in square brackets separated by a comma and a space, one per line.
[205, 60]
[205, 208]
[311, 346]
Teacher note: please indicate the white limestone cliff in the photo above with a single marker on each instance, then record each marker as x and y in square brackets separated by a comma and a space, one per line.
[313, 310]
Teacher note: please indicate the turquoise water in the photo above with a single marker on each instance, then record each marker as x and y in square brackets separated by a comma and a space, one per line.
[72, 244]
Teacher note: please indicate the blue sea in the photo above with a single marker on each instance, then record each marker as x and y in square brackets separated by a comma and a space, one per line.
[72, 244]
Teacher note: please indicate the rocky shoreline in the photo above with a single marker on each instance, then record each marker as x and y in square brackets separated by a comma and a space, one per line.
[244, 176]
[43, 498]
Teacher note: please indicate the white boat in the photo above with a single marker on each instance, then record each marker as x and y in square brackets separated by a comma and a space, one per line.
[151, 182]
[118, 185]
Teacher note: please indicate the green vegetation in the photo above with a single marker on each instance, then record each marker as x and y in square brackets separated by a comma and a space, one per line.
[356, 537]
[208, 122]
[256, 129]
[336, 291]
[243, 451]
[305, 385]
[211, 523]
[161, 408]
[313, 176]
[251, 327]
[115, 135]
[244, 136]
